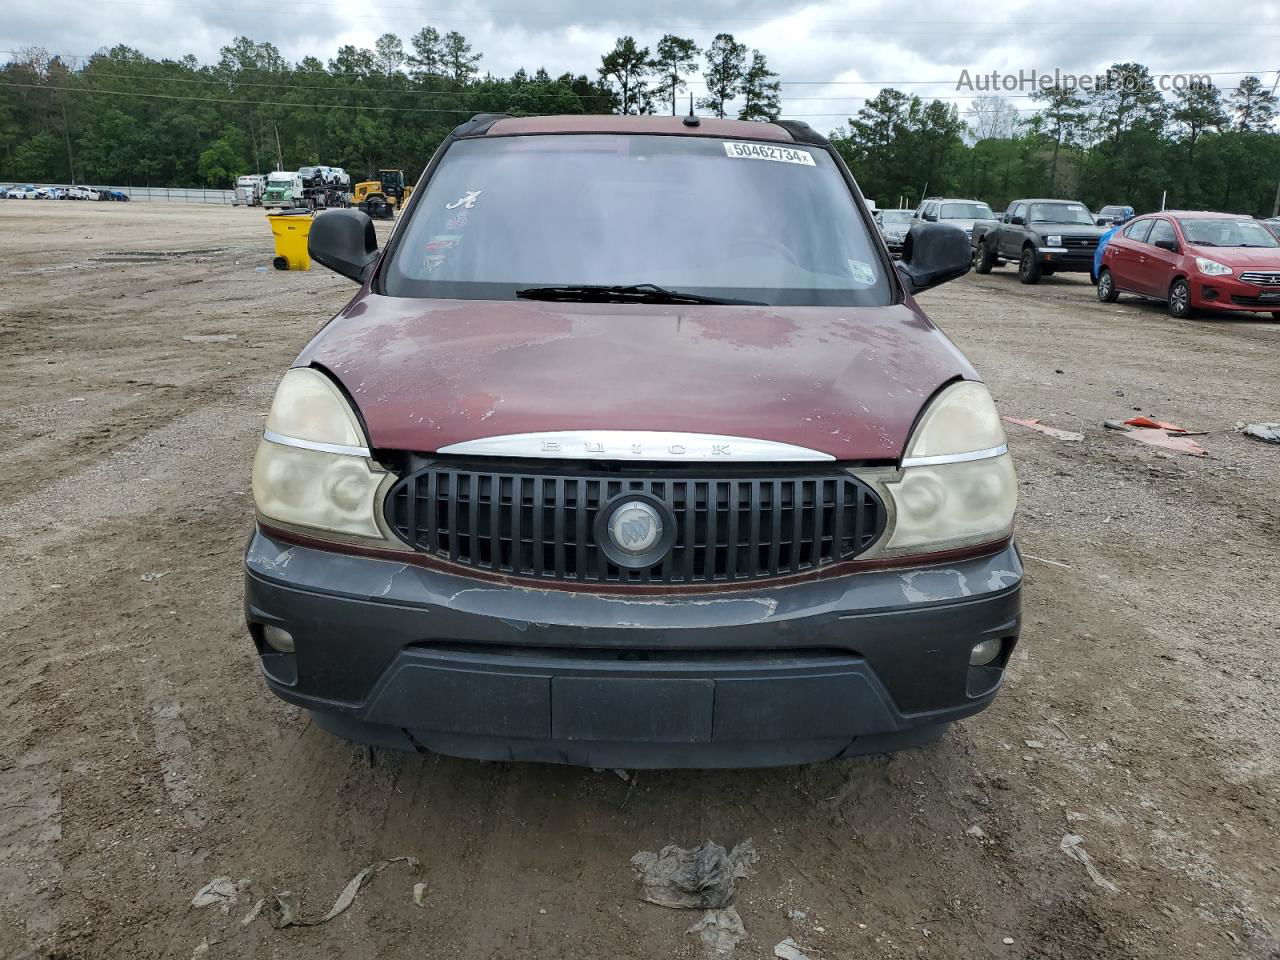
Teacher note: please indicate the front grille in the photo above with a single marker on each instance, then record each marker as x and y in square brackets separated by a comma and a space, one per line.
[1080, 243]
[542, 524]
[1263, 279]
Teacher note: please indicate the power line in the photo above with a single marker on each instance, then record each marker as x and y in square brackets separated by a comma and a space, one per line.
[252, 103]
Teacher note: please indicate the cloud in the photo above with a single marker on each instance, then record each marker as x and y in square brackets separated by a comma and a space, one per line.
[831, 55]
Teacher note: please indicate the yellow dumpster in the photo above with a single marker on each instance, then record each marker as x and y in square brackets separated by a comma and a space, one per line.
[290, 228]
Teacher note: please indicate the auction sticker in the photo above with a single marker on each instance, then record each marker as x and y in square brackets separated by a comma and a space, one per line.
[768, 151]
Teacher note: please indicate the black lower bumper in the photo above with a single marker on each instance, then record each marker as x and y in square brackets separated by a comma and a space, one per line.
[1072, 262]
[399, 655]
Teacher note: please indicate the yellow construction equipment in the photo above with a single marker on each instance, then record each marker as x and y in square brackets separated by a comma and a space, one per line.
[381, 198]
[290, 229]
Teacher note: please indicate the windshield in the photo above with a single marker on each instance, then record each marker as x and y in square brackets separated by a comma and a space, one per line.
[1227, 233]
[736, 220]
[1061, 213]
[895, 218]
[966, 211]
[279, 179]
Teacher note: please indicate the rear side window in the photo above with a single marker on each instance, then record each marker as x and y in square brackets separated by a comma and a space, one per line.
[1163, 230]
[1138, 230]
[772, 223]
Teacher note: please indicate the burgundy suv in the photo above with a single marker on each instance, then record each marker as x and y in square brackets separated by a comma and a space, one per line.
[633, 449]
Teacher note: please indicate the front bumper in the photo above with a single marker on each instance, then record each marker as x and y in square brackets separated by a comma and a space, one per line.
[1229, 293]
[404, 656]
[1065, 259]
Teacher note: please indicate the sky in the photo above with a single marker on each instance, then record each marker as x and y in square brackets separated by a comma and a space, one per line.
[829, 55]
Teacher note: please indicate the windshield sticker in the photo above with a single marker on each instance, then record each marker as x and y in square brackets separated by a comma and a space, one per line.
[862, 273]
[458, 220]
[767, 151]
[442, 242]
[466, 202]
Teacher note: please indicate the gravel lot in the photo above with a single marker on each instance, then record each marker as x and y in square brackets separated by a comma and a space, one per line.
[141, 756]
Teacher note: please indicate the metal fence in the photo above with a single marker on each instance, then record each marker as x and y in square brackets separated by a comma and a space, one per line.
[157, 194]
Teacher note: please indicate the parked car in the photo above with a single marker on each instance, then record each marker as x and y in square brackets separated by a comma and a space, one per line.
[311, 176]
[1043, 237]
[1113, 214]
[894, 225]
[337, 177]
[22, 191]
[958, 213]
[119, 195]
[1272, 224]
[81, 192]
[50, 193]
[1194, 260]
[580, 478]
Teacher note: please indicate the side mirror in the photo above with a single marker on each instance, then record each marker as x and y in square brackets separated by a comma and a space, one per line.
[345, 242]
[933, 254]
[931, 217]
[1170, 245]
[1017, 221]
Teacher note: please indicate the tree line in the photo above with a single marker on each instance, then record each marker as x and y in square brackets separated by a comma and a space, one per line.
[1122, 142]
[121, 117]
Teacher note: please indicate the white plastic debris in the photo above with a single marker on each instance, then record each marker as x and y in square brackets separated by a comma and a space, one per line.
[1073, 846]
[701, 878]
[788, 949]
[286, 910]
[420, 894]
[218, 891]
[720, 932]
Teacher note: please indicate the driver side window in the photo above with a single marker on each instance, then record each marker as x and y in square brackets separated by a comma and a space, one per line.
[1163, 230]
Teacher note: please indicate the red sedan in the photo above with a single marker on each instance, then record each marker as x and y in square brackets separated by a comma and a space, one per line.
[1194, 260]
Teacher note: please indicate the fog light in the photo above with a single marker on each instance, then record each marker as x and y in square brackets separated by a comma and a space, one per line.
[281, 640]
[982, 654]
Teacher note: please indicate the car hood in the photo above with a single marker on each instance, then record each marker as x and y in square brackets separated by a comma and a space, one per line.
[1246, 258]
[845, 381]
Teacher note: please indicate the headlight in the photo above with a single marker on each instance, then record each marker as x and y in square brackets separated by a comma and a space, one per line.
[1212, 268]
[1054, 241]
[312, 468]
[958, 486]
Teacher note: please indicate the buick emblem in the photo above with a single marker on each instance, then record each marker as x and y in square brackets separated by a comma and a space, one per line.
[635, 530]
[635, 527]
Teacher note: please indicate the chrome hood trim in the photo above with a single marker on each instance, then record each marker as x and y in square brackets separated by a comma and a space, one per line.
[635, 445]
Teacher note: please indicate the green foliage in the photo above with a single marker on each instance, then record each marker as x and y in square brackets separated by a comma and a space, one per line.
[673, 60]
[625, 69]
[121, 117]
[221, 164]
[726, 60]
[760, 89]
[1123, 142]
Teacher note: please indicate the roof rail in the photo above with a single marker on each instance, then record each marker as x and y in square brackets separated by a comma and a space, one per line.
[478, 125]
[801, 132]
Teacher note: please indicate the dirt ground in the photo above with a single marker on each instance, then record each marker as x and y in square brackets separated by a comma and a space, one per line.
[141, 756]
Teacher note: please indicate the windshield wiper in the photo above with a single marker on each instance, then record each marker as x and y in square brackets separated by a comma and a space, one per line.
[623, 293]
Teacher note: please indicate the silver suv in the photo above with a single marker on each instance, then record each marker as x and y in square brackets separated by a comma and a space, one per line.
[960, 213]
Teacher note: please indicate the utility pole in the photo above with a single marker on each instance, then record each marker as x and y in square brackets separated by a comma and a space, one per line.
[1275, 207]
[66, 131]
[279, 154]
